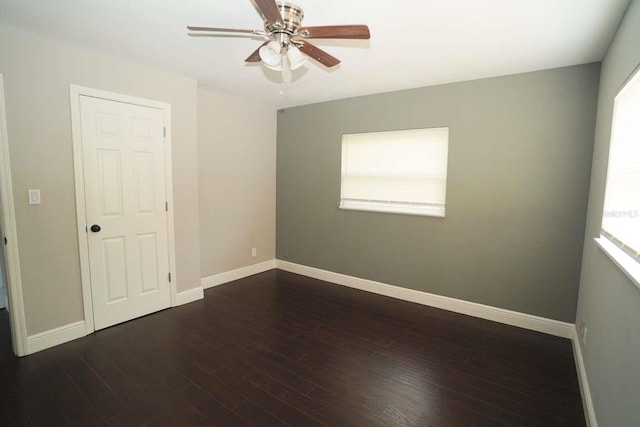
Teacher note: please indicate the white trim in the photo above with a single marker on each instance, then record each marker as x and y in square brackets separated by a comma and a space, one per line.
[240, 273]
[389, 207]
[57, 336]
[75, 92]
[190, 295]
[80, 208]
[12, 253]
[501, 315]
[585, 391]
[627, 264]
[169, 194]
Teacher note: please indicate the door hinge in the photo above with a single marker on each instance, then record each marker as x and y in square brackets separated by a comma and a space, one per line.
[164, 131]
[166, 206]
[5, 241]
[169, 277]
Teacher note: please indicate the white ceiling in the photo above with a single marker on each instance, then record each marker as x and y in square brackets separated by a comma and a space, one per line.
[414, 43]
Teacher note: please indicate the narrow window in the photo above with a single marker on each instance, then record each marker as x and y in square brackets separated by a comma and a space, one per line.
[620, 236]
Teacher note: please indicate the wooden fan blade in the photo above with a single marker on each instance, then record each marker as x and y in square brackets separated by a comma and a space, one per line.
[316, 53]
[255, 56]
[335, 32]
[269, 11]
[226, 30]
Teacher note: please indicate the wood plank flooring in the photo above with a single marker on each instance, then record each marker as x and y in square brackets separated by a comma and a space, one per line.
[280, 349]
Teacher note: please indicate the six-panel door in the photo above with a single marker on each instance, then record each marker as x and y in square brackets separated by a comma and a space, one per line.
[125, 193]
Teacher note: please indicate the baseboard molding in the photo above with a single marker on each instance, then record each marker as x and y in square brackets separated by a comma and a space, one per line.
[191, 295]
[240, 273]
[54, 337]
[73, 331]
[514, 318]
[585, 391]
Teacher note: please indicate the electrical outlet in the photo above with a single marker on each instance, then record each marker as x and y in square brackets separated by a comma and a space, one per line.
[254, 252]
[583, 333]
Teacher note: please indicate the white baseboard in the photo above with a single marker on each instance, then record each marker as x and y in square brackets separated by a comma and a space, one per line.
[514, 318]
[240, 273]
[190, 295]
[54, 337]
[72, 331]
[585, 391]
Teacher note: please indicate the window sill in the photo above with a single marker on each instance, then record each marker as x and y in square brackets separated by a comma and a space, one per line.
[434, 211]
[628, 265]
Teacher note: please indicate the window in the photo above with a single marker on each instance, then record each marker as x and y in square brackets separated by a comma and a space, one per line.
[621, 215]
[398, 171]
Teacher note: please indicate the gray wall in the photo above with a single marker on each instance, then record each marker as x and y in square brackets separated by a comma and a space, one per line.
[609, 303]
[519, 162]
[37, 73]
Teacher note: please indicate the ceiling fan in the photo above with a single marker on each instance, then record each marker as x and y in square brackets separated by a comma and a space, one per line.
[286, 47]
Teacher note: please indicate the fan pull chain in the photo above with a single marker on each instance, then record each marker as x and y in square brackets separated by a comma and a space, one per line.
[286, 69]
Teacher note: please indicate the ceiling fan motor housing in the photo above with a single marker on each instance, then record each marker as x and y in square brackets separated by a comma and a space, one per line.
[291, 15]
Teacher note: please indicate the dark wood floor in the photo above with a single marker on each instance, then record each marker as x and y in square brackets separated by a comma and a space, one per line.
[280, 349]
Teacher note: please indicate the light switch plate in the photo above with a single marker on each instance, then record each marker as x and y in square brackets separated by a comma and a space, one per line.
[34, 196]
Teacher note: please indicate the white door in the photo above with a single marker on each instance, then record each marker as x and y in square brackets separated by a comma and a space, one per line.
[125, 195]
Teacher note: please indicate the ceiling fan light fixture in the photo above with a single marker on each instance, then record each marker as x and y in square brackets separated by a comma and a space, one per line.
[270, 54]
[296, 58]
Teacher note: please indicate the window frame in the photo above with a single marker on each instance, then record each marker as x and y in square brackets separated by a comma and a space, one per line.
[625, 258]
[397, 207]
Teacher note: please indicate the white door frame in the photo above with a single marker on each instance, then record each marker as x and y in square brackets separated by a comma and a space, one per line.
[76, 92]
[8, 217]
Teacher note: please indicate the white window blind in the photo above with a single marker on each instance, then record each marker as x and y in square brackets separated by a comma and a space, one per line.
[397, 171]
[621, 216]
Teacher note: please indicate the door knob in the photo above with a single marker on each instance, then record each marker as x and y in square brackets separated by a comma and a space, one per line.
[95, 228]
